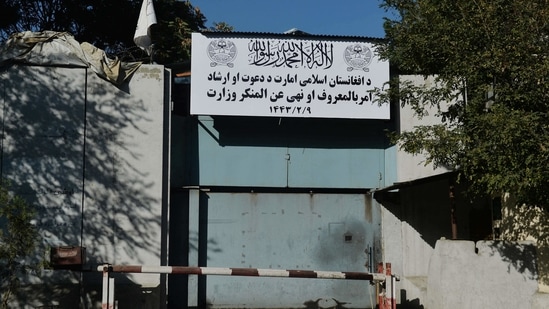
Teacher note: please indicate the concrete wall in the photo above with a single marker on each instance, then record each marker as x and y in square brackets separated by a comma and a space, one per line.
[421, 215]
[438, 273]
[412, 167]
[91, 158]
[492, 274]
[528, 223]
[411, 225]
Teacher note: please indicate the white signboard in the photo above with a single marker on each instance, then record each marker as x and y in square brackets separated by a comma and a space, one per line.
[283, 76]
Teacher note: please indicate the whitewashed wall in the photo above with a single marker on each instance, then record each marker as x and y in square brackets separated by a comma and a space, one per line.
[412, 167]
[90, 157]
[488, 274]
[403, 245]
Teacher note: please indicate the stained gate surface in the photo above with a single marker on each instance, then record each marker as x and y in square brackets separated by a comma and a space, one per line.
[331, 232]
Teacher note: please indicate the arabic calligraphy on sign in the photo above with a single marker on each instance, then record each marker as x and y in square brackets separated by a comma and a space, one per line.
[358, 96]
[291, 54]
[286, 76]
[313, 79]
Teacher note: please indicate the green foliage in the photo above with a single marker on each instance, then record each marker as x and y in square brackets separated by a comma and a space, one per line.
[222, 27]
[172, 35]
[104, 23]
[18, 240]
[8, 14]
[490, 59]
[108, 24]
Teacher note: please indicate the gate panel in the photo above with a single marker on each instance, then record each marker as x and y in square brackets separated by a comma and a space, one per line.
[331, 232]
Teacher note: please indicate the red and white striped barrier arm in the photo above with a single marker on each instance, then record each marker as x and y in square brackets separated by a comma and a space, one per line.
[249, 272]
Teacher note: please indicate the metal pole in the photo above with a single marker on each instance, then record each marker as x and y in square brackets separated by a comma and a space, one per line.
[393, 292]
[105, 294]
[389, 296]
[380, 290]
[453, 210]
[249, 272]
[107, 299]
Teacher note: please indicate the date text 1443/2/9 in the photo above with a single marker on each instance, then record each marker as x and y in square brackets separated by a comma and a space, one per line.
[287, 110]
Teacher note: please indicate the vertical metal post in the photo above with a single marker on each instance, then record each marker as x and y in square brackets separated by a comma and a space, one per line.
[193, 253]
[389, 295]
[379, 290]
[393, 292]
[107, 298]
[453, 215]
[105, 293]
[111, 293]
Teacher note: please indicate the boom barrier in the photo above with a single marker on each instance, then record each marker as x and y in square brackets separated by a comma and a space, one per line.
[380, 278]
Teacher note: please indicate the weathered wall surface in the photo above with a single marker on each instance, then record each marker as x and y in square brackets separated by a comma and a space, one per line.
[291, 231]
[409, 166]
[281, 152]
[406, 243]
[413, 219]
[417, 208]
[280, 193]
[498, 275]
[90, 157]
[416, 216]
[528, 223]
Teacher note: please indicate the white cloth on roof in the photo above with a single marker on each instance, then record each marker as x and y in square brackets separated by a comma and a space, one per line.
[50, 48]
[147, 18]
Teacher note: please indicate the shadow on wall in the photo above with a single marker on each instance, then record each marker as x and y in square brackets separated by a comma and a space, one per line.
[522, 258]
[324, 303]
[424, 210]
[70, 148]
[528, 223]
[407, 303]
[485, 274]
[425, 204]
[67, 296]
[301, 132]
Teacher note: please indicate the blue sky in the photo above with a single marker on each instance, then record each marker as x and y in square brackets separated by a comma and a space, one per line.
[339, 17]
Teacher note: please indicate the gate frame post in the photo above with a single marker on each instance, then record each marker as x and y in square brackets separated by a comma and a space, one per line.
[387, 292]
[107, 299]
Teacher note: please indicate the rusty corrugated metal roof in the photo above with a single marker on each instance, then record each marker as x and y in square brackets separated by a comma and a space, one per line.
[293, 33]
[183, 74]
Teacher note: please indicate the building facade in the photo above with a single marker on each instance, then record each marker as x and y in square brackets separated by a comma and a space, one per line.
[270, 151]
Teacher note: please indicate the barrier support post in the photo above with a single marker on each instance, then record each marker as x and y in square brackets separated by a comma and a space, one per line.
[107, 298]
[383, 281]
[380, 290]
[386, 291]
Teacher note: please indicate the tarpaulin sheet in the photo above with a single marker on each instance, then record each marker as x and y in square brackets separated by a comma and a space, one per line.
[50, 48]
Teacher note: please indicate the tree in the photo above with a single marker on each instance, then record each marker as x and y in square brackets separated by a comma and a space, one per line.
[108, 24]
[172, 35]
[8, 14]
[222, 27]
[18, 243]
[491, 63]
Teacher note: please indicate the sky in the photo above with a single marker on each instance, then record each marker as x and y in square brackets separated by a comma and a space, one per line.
[336, 17]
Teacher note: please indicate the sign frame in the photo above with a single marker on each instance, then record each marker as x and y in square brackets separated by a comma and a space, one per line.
[286, 76]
